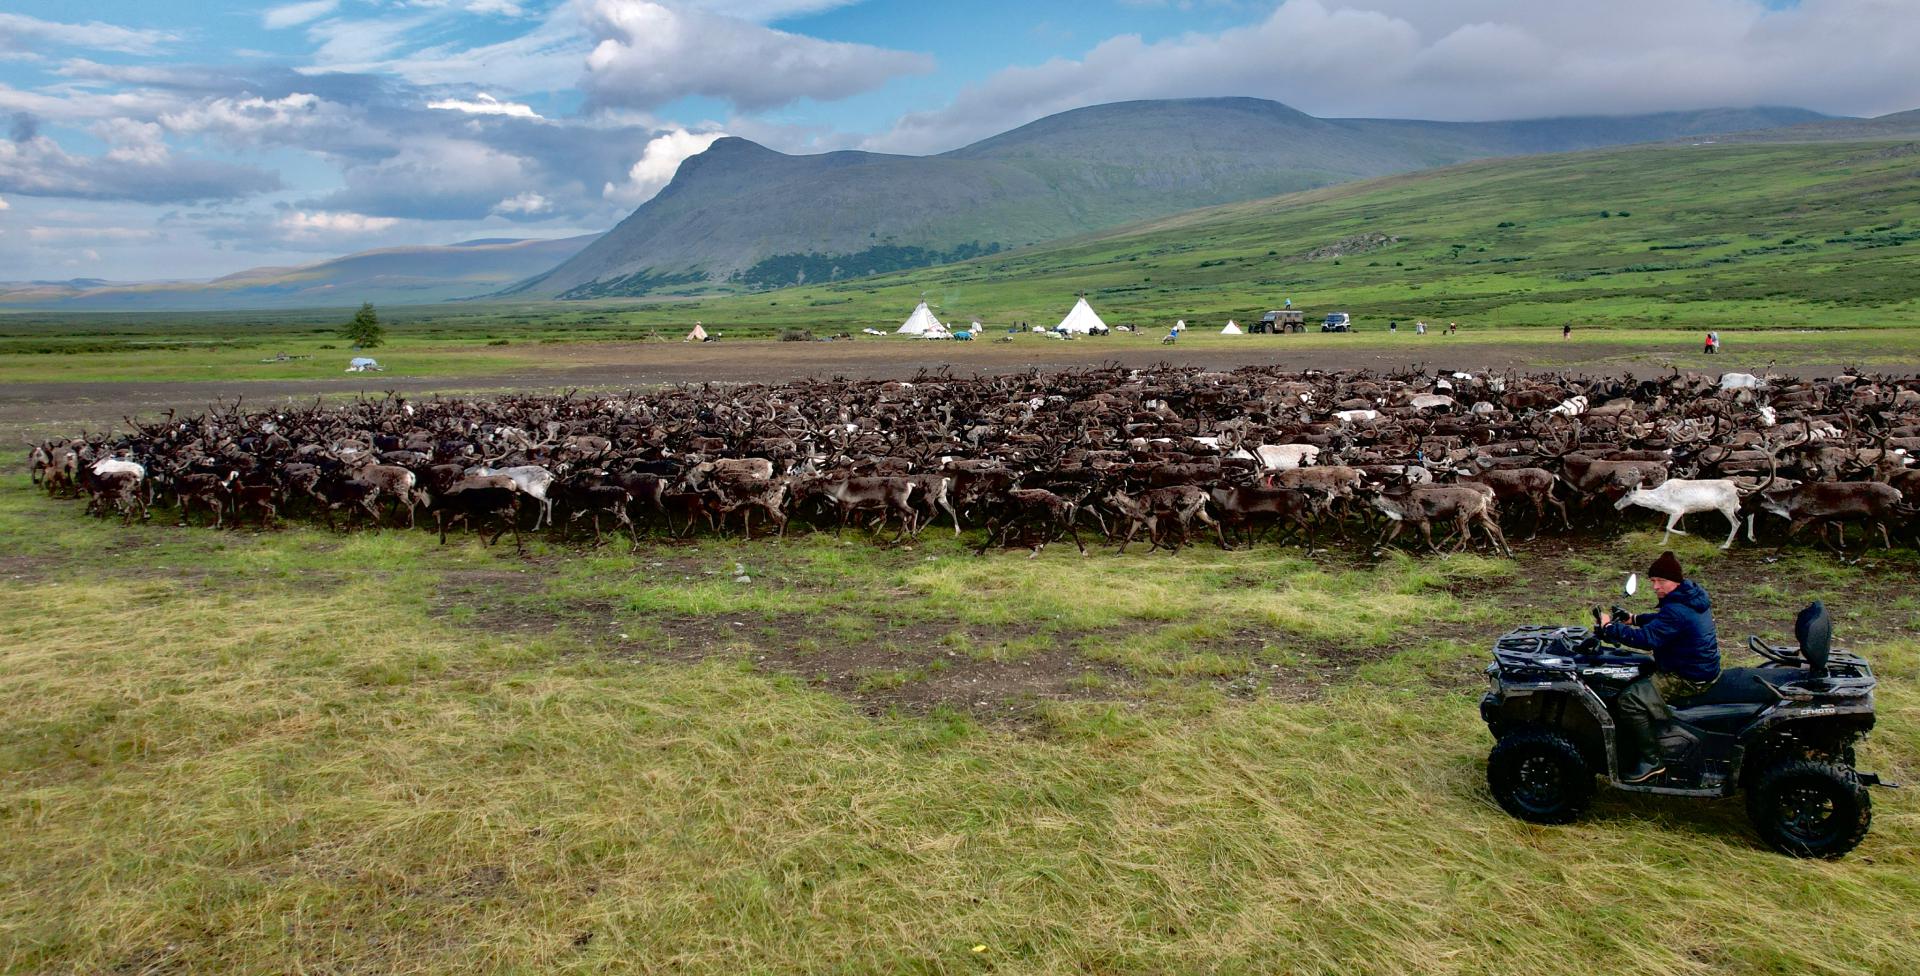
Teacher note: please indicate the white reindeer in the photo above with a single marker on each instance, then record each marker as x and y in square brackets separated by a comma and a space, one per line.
[1280, 457]
[532, 479]
[1679, 497]
[1572, 406]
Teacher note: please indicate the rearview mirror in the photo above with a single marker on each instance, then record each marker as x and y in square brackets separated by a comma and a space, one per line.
[1633, 584]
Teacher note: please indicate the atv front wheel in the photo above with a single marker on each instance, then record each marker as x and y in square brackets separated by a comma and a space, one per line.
[1540, 777]
[1810, 809]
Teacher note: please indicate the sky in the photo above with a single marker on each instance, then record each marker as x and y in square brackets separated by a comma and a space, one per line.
[155, 139]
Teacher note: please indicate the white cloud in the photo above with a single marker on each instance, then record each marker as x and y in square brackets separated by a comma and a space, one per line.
[346, 44]
[498, 8]
[4, 205]
[485, 104]
[299, 224]
[246, 119]
[132, 141]
[761, 11]
[1476, 60]
[74, 106]
[546, 58]
[57, 235]
[648, 54]
[295, 14]
[528, 203]
[657, 164]
[434, 178]
[20, 32]
[137, 167]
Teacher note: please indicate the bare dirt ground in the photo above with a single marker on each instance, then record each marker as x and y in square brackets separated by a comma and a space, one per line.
[38, 407]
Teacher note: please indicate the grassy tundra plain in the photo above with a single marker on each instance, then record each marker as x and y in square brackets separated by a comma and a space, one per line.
[301, 751]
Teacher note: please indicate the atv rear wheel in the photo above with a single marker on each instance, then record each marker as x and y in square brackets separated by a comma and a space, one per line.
[1810, 809]
[1540, 777]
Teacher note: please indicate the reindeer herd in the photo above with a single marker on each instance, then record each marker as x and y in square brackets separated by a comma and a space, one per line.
[1155, 454]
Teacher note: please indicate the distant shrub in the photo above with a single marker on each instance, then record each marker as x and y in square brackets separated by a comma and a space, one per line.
[1623, 213]
[326, 345]
[1506, 223]
[499, 342]
[1604, 214]
[795, 335]
[364, 329]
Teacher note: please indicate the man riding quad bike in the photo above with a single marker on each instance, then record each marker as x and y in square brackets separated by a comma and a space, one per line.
[1565, 703]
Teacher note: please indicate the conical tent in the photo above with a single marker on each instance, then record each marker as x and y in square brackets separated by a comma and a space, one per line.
[1231, 329]
[699, 334]
[920, 322]
[1082, 319]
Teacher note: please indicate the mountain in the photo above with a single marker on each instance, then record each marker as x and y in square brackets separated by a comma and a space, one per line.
[1899, 125]
[1785, 236]
[387, 276]
[742, 216]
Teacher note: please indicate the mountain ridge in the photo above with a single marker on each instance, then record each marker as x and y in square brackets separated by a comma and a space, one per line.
[409, 274]
[742, 216]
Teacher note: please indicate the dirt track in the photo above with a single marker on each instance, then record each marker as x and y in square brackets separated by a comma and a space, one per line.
[39, 407]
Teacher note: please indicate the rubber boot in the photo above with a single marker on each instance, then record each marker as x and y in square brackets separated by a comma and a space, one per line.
[1636, 735]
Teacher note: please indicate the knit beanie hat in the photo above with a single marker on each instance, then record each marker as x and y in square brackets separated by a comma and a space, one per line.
[1667, 567]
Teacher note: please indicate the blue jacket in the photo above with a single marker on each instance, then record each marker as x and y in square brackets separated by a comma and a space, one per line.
[1680, 634]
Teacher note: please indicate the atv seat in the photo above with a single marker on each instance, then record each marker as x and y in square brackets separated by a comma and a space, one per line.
[1733, 701]
[1743, 686]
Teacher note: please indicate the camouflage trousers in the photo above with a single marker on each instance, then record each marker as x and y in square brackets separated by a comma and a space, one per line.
[1648, 697]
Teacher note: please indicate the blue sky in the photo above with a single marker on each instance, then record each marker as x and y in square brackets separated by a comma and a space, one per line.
[146, 140]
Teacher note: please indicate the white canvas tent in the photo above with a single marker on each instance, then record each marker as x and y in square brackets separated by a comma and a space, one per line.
[1231, 329]
[699, 334]
[920, 322]
[1180, 325]
[1082, 319]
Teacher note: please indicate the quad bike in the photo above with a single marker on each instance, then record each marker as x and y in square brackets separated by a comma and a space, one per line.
[1783, 732]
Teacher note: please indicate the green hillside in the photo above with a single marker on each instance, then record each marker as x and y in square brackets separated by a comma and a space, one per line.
[1722, 235]
[741, 216]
